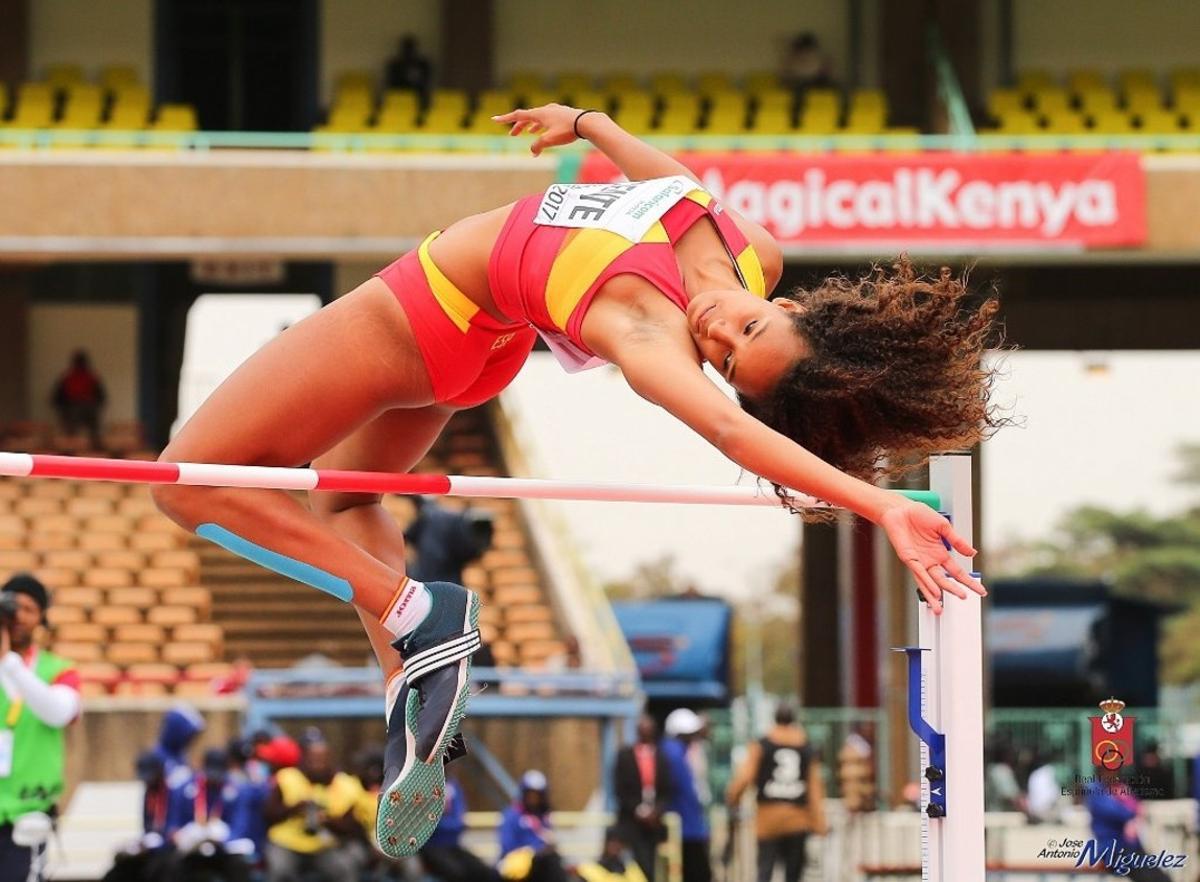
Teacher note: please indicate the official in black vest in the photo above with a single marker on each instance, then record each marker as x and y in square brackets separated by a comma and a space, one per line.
[644, 787]
[790, 795]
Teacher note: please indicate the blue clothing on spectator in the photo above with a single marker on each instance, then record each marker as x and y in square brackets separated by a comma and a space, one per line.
[226, 801]
[250, 823]
[1110, 813]
[450, 828]
[685, 798]
[519, 828]
[179, 728]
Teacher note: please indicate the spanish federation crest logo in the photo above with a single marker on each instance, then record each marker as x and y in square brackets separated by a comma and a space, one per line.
[1112, 736]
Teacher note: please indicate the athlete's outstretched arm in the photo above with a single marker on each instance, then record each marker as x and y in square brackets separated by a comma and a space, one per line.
[664, 371]
[554, 125]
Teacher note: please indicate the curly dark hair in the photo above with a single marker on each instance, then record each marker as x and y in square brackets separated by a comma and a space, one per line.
[895, 374]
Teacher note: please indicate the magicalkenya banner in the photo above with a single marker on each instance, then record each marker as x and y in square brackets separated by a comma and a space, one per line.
[953, 199]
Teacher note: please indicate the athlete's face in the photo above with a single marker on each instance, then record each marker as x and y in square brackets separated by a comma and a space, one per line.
[751, 341]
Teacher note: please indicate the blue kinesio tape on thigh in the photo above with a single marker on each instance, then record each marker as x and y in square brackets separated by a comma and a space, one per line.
[280, 563]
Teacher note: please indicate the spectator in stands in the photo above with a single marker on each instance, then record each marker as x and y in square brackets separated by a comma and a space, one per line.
[616, 864]
[444, 855]
[79, 398]
[310, 816]
[1044, 800]
[253, 785]
[789, 792]
[643, 786]
[410, 69]
[180, 727]
[150, 772]
[856, 768]
[445, 541]
[1003, 793]
[215, 806]
[39, 698]
[806, 65]
[528, 852]
[684, 729]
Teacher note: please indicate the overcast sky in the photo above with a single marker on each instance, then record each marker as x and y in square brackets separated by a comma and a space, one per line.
[1104, 434]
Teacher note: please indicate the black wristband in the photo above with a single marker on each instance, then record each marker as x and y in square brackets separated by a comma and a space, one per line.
[582, 114]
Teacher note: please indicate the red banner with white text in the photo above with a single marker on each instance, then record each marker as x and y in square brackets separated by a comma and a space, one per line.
[972, 201]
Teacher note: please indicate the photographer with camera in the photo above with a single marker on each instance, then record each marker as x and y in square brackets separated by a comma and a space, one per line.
[39, 697]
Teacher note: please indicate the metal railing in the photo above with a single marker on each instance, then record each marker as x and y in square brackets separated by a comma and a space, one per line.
[368, 143]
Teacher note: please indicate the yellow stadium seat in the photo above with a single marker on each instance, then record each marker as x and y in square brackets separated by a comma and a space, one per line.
[678, 121]
[1051, 100]
[772, 121]
[569, 82]
[818, 121]
[774, 99]
[1097, 100]
[1019, 122]
[1002, 102]
[119, 77]
[1159, 122]
[32, 115]
[347, 119]
[726, 122]
[866, 119]
[1086, 79]
[711, 82]
[442, 121]
[1065, 122]
[1185, 76]
[132, 101]
[620, 83]
[1137, 79]
[525, 81]
[64, 76]
[761, 81]
[666, 82]
[868, 98]
[1029, 81]
[1116, 123]
[681, 104]
[354, 81]
[493, 102]
[449, 101]
[591, 98]
[175, 118]
[823, 101]
[404, 100]
[538, 97]
[635, 112]
[1140, 98]
[727, 102]
[395, 121]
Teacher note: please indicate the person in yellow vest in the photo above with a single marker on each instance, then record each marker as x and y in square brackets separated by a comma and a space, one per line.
[312, 828]
[39, 698]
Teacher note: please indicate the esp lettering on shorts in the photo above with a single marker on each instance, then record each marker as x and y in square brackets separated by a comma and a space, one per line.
[502, 341]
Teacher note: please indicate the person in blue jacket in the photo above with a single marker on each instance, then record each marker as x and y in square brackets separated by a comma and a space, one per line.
[444, 855]
[212, 806]
[683, 728]
[527, 846]
[179, 728]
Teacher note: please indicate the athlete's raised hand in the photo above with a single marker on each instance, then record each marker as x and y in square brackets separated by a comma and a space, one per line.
[917, 532]
[554, 125]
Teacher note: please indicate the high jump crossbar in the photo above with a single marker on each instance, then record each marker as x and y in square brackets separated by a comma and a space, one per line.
[79, 468]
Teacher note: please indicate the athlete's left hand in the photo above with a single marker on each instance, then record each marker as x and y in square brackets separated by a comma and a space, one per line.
[917, 532]
[554, 125]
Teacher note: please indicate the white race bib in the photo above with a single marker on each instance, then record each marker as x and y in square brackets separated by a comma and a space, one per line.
[6, 752]
[628, 209]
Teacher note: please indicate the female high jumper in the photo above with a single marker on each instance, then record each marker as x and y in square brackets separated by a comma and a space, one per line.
[837, 385]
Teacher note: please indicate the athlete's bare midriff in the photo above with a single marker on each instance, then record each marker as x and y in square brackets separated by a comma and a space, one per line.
[464, 249]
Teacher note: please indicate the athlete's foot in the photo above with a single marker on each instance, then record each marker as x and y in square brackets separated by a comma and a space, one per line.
[425, 707]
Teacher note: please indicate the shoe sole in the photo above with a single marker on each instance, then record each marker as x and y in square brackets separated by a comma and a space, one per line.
[411, 808]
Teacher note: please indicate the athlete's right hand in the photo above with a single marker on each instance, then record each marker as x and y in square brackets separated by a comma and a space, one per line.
[554, 125]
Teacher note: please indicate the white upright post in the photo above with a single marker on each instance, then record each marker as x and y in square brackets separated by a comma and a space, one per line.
[953, 698]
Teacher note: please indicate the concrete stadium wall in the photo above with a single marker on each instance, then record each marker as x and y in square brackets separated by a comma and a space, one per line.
[632, 35]
[92, 34]
[1059, 35]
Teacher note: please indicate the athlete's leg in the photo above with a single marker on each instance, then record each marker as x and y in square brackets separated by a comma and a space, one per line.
[393, 442]
[290, 402]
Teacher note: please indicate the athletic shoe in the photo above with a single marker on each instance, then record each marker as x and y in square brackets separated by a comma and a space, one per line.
[425, 707]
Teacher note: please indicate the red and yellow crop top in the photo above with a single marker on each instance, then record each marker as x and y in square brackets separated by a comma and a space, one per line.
[558, 247]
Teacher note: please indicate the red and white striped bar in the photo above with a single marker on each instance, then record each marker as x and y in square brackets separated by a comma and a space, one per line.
[79, 468]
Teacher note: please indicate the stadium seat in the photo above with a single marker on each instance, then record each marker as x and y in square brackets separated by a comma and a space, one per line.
[618, 84]
[1097, 100]
[1019, 123]
[1086, 80]
[1031, 81]
[121, 557]
[570, 82]
[759, 82]
[1158, 122]
[55, 578]
[112, 616]
[58, 615]
[635, 112]
[67, 559]
[538, 97]
[1002, 102]
[195, 597]
[523, 82]
[188, 653]
[64, 76]
[131, 653]
[727, 121]
[494, 102]
[1051, 100]
[79, 652]
[668, 82]
[138, 632]
[1065, 122]
[149, 542]
[136, 597]
[102, 541]
[713, 82]
[153, 672]
[84, 598]
[591, 98]
[774, 99]
[1142, 98]
[169, 616]
[354, 81]
[119, 77]
[1115, 123]
[442, 121]
[163, 577]
[449, 102]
